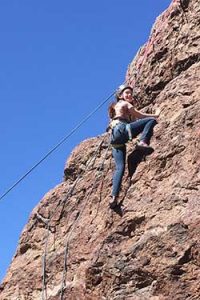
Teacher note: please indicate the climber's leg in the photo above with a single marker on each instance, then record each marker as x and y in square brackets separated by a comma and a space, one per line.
[119, 156]
[145, 127]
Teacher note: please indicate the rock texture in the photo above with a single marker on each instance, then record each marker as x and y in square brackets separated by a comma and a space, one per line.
[74, 247]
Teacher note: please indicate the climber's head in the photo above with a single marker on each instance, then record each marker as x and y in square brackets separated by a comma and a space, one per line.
[124, 92]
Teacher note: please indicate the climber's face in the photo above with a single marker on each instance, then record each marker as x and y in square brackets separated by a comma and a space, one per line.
[127, 95]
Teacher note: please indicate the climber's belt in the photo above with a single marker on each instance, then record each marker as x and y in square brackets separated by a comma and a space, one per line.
[117, 146]
[121, 133]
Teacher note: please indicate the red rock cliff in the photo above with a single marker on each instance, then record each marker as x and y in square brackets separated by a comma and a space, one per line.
[74, 247]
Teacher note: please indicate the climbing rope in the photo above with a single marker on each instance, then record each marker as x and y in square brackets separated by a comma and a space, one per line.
[44, 293]
[58, 145]
[146, 52]
[89, 164]
[66, 250]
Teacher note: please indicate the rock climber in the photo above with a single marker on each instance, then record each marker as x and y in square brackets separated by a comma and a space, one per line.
[127, 123]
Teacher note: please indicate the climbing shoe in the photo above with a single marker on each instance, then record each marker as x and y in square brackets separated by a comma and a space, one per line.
[113, 202]
[144, 148]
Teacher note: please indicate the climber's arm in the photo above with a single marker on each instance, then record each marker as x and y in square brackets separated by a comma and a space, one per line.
[140, 115]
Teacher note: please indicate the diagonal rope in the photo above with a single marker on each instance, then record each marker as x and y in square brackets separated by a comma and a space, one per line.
[62, 140]
[57, 146]
[76, 127]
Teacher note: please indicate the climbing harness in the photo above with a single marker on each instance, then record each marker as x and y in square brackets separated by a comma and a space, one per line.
[120, 133]
[117, 146]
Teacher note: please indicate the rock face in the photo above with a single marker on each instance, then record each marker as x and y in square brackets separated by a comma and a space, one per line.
[75, 247]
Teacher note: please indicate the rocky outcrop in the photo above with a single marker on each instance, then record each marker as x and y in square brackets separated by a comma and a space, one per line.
[75, 247]
[172, 48]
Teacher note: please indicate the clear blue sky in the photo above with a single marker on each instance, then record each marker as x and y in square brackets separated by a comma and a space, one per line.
[58, 61]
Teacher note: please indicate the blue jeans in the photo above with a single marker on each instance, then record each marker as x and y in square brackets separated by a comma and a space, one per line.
[145, 127]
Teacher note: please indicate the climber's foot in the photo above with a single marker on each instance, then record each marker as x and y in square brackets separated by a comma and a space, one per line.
[113, 202]
[145, 148]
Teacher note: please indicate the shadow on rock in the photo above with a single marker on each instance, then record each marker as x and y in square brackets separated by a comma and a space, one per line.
[134, 159]
[118, 209]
